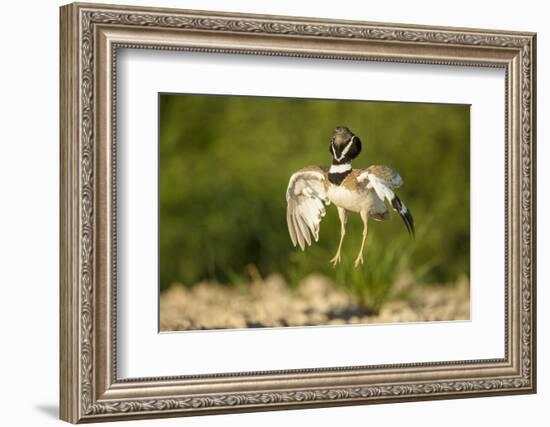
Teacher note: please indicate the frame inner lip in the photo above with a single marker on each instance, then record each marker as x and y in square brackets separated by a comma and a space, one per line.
[340, 370]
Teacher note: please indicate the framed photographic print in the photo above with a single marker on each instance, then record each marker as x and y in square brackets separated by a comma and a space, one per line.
[265, 212]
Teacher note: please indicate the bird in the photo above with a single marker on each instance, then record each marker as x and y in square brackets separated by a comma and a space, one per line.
[363, 191]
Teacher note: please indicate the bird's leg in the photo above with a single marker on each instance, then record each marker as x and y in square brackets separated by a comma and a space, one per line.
[343, 215]
[359, 259]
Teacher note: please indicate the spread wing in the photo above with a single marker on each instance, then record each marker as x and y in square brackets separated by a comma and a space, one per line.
[306, 198]
[383, 180]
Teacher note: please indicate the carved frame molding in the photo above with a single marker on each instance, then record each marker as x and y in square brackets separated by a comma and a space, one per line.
[90, 37]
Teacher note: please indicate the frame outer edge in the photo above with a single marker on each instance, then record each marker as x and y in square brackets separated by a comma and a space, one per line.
[69, 355]
[78, 224]
[533, 111]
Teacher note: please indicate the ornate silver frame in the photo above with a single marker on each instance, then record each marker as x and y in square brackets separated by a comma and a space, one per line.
[90, 36]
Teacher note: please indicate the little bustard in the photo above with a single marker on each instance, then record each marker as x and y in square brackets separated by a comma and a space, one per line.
[351, 190]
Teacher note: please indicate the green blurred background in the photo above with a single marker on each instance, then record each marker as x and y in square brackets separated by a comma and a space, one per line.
[225, 162]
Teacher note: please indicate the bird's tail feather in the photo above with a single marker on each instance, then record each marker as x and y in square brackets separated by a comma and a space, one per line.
[404, 213]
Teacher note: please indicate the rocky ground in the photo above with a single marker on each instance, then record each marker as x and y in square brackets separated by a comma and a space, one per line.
[316, 301]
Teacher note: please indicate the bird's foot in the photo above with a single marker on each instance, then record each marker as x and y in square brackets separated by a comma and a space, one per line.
[358, 260]
[336, 260]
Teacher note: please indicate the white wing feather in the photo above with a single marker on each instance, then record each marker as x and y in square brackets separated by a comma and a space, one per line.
[306, 199]
[382, 187]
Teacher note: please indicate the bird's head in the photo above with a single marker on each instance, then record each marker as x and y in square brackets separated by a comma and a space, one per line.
[344, 145]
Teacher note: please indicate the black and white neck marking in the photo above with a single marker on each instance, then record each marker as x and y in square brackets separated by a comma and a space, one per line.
[338, 172]
[344, 152]
[340, 168]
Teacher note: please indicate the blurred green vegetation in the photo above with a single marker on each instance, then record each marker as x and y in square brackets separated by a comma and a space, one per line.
[225, 162]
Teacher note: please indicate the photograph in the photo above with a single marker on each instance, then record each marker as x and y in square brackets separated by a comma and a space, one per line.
[291, 212]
